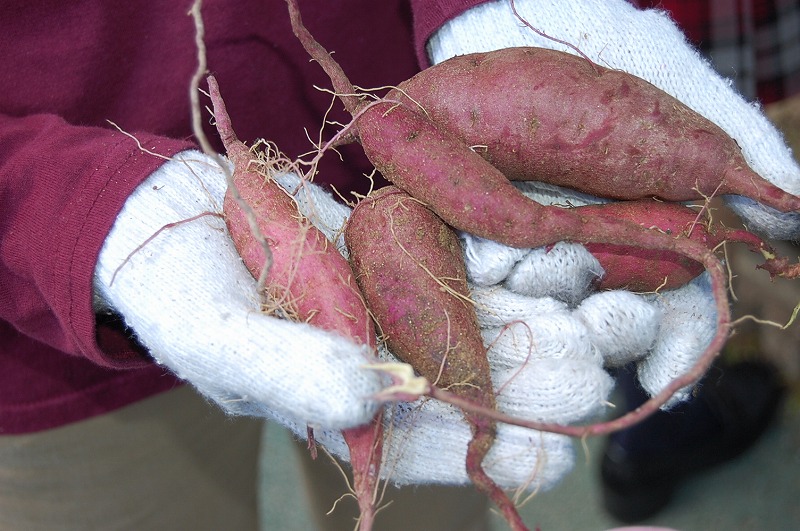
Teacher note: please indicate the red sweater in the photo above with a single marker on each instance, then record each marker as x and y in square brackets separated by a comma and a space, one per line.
[68, 69]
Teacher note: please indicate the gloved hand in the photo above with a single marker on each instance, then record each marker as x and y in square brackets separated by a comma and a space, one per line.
[191, 302]
[682, 320]
[645, 43]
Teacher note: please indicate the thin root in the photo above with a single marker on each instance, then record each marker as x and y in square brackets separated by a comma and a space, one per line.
[546, 36]
[755, 319]
[153, 236]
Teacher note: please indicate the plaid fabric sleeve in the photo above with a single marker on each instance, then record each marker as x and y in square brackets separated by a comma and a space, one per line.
[755, 43]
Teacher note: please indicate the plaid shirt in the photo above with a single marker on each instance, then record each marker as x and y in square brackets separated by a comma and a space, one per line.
[755, 43]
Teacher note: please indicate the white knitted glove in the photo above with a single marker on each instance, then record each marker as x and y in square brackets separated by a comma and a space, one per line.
[191, 302]
[645, 43]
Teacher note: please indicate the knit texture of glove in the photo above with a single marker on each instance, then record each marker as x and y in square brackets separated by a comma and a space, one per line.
[647, 44]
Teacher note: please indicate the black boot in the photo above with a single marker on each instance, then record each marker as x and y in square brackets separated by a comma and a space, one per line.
[643, 465]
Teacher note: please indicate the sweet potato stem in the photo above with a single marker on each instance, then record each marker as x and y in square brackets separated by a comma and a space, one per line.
[344, 89]
[484, 432]
[202, 139]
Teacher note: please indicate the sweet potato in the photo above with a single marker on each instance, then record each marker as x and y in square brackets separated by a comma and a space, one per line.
[307, 277]
[308, 280]
[550, 116]
[636, 269]
[464, 189]
[410, 268]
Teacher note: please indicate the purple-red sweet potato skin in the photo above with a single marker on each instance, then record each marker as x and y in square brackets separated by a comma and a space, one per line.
[308, 279]
[403, 255]
[433, 166]
[545, 115]
[637, 269]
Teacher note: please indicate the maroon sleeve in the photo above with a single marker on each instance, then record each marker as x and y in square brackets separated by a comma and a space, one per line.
[61, 187]
[429, 16]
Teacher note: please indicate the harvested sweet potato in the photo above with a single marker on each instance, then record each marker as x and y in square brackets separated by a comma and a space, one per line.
[545, 115]
[307, 280]
[410, 267]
